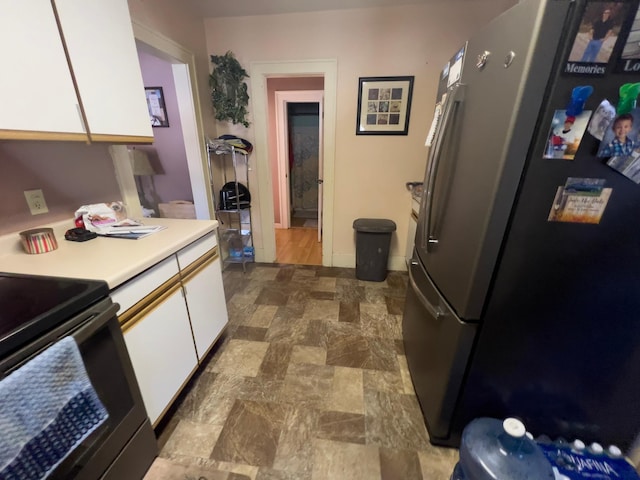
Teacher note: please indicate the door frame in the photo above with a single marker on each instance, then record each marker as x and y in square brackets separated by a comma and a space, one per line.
[283, 98]
[259, 72]
[184, 73]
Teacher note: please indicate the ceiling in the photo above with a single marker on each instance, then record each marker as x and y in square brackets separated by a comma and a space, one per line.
[235, 8]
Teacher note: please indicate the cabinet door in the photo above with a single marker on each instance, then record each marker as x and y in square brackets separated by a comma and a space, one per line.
[104, 60]
[160, 345]
[36, 88]
[206, 303]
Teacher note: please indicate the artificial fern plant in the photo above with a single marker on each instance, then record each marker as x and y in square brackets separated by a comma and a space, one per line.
[228, 91]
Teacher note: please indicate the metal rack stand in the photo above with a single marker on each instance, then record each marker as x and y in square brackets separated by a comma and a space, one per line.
[231, 199]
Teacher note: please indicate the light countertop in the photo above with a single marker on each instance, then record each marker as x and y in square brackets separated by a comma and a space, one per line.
[114, 260]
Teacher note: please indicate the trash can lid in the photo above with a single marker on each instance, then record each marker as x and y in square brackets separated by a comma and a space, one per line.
[374, 225]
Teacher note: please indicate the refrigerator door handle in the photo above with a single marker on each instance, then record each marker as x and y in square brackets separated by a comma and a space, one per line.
[436, 311]
[454, 98]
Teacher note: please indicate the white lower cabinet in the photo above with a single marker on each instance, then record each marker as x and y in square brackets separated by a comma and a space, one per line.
[160, 345]
[200, 268]
[171, 315]
[206, 303]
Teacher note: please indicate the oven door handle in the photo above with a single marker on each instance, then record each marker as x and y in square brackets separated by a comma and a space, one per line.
[95, 324]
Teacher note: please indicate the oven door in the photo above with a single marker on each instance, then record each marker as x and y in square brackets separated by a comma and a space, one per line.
[124, 446]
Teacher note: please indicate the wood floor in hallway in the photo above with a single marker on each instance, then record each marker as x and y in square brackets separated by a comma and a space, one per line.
[298, 246]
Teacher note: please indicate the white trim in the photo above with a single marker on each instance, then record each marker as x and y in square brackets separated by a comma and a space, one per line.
[282, 148]
[184, 73]
[259, 71]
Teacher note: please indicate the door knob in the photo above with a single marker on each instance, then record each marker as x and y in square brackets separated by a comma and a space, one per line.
[320, 181]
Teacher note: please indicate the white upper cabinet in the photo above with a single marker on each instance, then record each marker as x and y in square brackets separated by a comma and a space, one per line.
[38, 83]
[36, 88]
[99, 38]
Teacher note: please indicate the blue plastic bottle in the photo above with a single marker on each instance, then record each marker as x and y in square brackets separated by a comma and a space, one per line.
[493, 449]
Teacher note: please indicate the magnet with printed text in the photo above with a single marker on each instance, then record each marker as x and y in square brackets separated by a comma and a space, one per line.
[629, 61]
[580, 200]
[597, 36]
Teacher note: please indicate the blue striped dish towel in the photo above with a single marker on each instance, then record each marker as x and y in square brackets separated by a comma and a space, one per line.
[47, 408]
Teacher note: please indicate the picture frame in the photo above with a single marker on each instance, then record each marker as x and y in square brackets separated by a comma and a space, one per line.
[384, 105]
[157, 108]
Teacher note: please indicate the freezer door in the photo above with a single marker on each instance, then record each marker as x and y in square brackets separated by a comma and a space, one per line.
[437, 345]
[480, 149]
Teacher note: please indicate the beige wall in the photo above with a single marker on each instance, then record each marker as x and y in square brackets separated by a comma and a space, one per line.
[370, 171]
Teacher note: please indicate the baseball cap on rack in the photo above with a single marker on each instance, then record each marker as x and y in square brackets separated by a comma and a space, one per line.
[237, 142]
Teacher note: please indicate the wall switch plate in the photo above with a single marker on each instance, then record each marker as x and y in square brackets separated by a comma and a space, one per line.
[35, 200]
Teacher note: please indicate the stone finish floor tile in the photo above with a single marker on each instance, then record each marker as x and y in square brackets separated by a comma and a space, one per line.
[361, 352]
[339, 460]
[346, 391]
[304, 354]
[404, 464]
[193, 439]
[163, 469]
[308, 381]
[250, 434]
[241, 357]
[342, 427]
[295, 448]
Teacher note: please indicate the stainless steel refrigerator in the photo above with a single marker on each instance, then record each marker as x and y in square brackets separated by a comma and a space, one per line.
[524, 286]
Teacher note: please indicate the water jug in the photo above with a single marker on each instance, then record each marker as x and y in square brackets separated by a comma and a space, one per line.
[492, 449]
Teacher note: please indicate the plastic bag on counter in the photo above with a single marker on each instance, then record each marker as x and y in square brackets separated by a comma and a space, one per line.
[99, 217]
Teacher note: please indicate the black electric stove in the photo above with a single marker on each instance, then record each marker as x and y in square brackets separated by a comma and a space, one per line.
[30, 305]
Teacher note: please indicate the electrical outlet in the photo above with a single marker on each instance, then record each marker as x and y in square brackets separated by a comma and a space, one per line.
[35, 200]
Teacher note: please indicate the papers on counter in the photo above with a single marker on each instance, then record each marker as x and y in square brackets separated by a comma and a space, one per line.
[129, 229]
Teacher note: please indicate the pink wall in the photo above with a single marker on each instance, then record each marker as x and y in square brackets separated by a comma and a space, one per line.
[168, 147]
[279, 85]
[69, 175]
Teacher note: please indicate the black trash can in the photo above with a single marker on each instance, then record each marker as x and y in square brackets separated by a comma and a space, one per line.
[373, 237]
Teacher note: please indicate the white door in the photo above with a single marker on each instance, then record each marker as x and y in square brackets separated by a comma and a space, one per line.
[320, 165]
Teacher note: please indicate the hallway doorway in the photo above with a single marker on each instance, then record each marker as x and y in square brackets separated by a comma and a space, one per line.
[183, 152]
[299, 132]
[267, 172]
[300, 160]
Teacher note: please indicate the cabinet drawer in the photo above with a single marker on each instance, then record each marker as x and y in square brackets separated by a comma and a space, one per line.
[128, 294]
[191, 253]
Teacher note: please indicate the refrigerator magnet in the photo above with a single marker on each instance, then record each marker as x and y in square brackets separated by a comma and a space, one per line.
[628, 165]
[580, 200]
[629, 61]
[455, 69]
[596, 37]
[601, 119]
[565, 134]
[621, 138]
